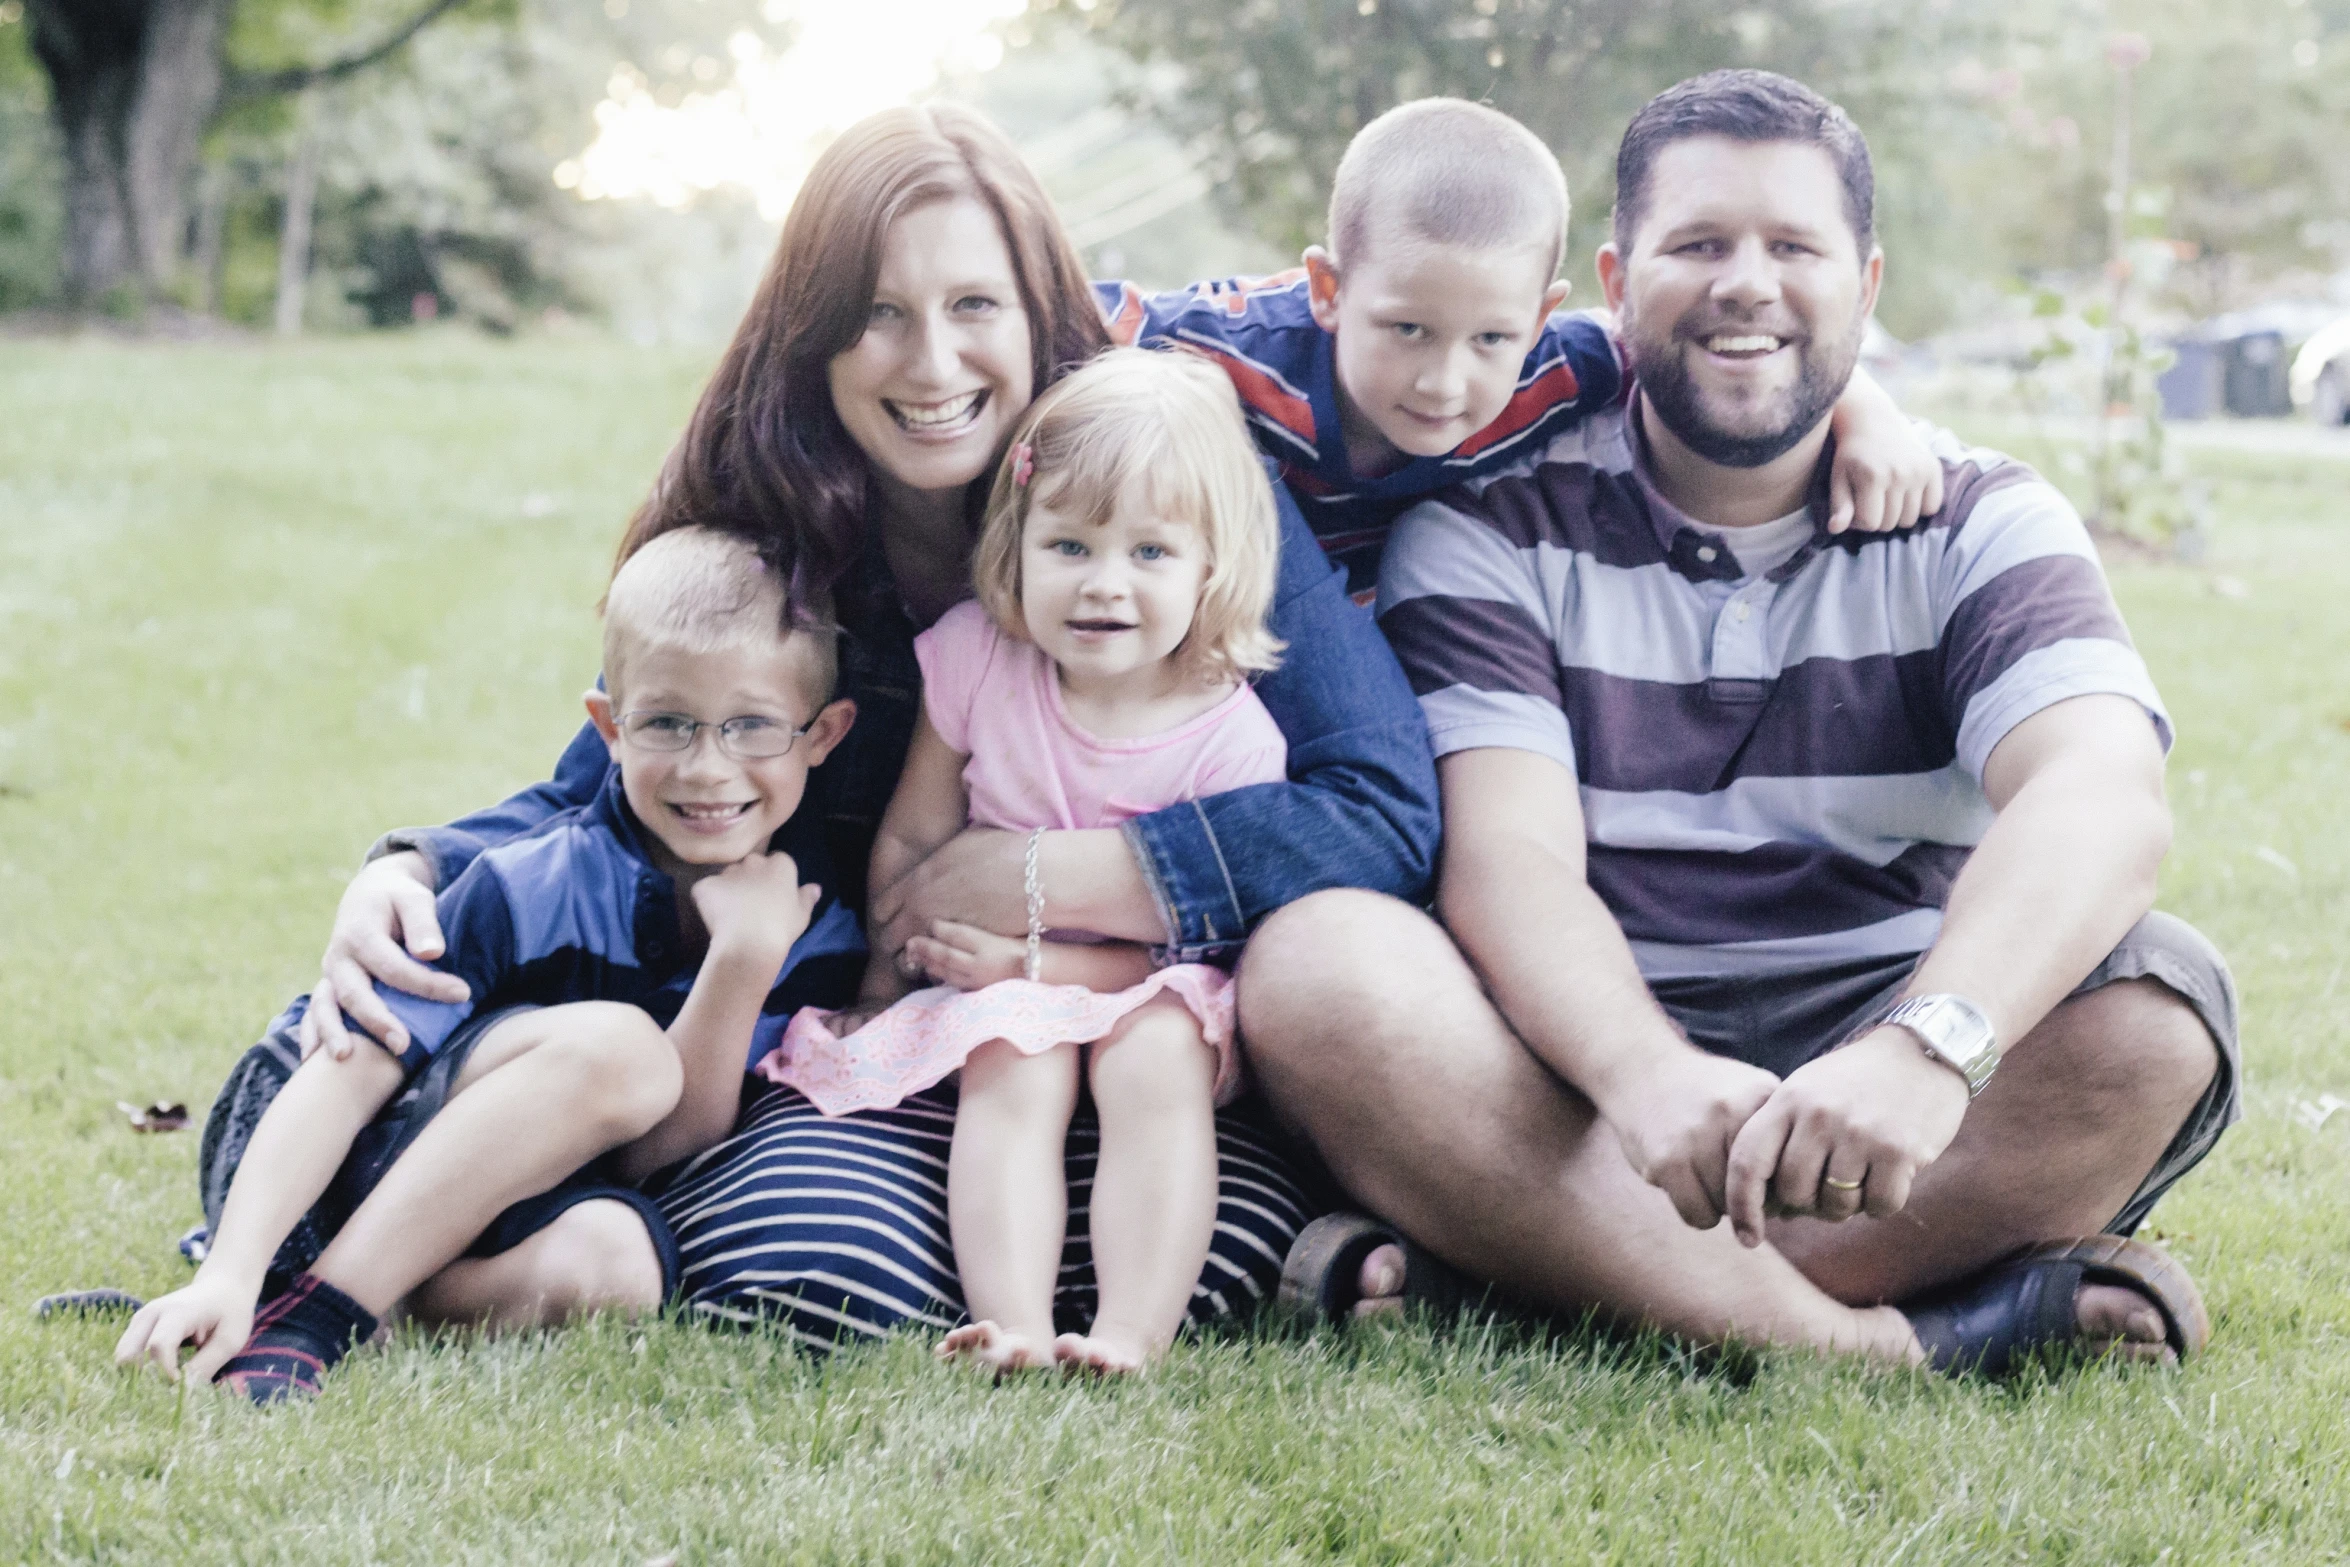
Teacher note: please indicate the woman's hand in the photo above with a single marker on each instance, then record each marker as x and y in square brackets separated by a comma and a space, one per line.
[389, 902]
[974, 878]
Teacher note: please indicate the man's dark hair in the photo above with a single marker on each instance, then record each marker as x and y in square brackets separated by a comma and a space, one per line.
[1747, 106]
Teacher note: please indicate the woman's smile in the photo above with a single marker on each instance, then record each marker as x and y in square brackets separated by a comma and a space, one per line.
[946, 417]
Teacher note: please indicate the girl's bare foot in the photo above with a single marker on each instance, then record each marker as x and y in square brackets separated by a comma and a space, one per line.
[1099, 1354]
[996, 1349]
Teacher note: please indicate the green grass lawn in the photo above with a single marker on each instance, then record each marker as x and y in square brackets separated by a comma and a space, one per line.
[258, 603]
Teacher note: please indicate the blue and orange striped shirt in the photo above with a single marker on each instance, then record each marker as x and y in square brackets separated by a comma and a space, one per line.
[1260, 332]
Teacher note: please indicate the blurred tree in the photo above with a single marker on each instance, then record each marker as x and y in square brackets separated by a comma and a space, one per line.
[1270, 91]
[31, 217]
[2240, 154]
[1989, 119]
[134, 85]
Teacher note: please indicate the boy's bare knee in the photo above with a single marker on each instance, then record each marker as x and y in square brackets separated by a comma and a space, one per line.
[623, 1069]
[599, 1257]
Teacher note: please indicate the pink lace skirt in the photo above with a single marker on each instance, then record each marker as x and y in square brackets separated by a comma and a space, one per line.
[927, 1035]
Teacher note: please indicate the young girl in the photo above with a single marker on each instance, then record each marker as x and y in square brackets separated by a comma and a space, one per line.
[1124, 574]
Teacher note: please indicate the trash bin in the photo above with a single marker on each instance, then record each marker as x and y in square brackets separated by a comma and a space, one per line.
[2195, 387]
[2256, 376]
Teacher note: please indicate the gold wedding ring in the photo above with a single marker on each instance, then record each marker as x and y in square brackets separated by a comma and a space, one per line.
[1842, 1186]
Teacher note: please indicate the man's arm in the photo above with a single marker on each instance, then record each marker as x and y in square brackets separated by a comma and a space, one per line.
[1514, 895]
[302, 1140]
[2065, 870]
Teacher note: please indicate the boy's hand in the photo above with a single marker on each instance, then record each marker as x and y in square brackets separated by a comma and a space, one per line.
[1884, 476]
[215, 1316]
[756, 905]
[967, 957]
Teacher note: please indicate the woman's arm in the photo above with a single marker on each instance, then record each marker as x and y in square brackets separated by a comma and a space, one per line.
[1359, 809]
[388, 906]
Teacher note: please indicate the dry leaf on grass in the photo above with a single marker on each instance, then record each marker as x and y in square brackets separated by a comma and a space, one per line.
[161, 1116]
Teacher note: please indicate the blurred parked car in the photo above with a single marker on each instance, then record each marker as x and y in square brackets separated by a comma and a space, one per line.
[2320, 379]
[2244, 363]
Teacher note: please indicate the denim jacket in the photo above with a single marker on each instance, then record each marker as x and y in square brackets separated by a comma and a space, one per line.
[1359, 809]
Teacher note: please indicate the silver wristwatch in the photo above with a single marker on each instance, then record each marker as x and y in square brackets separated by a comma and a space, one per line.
[1954, 1031]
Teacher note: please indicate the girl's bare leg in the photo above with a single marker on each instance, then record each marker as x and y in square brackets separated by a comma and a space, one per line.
[1008, 1202]
[1154, 1189]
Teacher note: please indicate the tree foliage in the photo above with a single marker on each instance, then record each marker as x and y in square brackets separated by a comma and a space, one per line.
[1990, 120]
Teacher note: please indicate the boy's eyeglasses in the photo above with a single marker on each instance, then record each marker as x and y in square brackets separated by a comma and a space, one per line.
[750, 738]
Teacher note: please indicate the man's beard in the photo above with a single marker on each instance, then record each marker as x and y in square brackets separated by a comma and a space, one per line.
[1773, 426]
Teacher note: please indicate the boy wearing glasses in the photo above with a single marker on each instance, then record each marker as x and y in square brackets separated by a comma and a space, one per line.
[626, 962]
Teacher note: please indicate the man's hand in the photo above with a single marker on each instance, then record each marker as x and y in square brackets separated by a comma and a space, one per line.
[756, 906]
[389, 902]
[967, 957]
[214, 1314]
[1677, 1123]
[1875, 1112]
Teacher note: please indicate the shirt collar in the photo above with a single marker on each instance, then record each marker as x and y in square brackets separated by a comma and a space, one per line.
[1697, 553]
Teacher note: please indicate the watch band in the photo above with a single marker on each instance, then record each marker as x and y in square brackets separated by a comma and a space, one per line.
[1954, 1031]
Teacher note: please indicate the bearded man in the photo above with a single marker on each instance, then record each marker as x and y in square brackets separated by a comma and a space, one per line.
[1797, 979]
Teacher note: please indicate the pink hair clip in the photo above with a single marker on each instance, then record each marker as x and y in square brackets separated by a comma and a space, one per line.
[1023, 464]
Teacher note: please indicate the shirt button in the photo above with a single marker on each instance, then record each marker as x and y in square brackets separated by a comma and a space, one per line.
[1742, 609]
[1706, 553]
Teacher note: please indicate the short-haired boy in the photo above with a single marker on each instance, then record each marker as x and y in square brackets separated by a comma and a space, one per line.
[626, 962]
[1419, 348]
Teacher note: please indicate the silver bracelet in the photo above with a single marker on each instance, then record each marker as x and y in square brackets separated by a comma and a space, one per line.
[1033, 884]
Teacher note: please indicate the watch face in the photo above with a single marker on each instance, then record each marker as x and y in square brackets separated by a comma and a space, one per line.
[1954, 1030]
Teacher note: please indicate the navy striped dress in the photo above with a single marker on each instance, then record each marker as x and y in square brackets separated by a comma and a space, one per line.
[835, 1229]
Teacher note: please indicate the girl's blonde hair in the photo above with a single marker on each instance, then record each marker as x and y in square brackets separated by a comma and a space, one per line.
[1171, 423]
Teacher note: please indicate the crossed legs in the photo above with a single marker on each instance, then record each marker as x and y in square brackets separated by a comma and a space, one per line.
[1372, 1038]
[542, 1094]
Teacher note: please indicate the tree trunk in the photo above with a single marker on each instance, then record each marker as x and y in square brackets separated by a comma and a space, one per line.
[133, 85]
[293, 250]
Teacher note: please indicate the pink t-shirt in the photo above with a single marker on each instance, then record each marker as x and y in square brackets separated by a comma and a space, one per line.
[999, 702]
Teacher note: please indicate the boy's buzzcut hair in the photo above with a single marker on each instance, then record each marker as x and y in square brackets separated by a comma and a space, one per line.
[1744, 106]
[1452, 172]
[704, 590]
[1170, 422]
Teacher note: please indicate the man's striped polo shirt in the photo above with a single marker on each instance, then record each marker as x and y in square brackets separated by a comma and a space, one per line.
[1780, 771]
